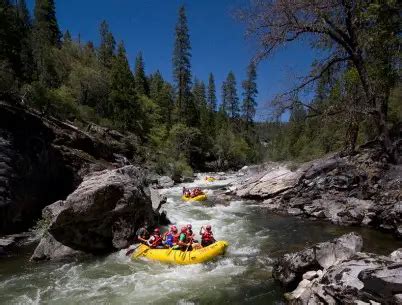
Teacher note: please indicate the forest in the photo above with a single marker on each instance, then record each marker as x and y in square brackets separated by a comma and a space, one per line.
[193, 124]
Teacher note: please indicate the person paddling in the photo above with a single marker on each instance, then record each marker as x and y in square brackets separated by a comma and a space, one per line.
[171, 237]
[207, 237]
[184, 242]
[142, 233]
[190, 233]
[155, 241]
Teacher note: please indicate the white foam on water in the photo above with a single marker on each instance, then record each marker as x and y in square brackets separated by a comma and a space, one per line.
[116, 279]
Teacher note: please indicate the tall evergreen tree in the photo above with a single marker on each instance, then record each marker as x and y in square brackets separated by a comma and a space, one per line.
[140, 80]
[67, 37]
[46, 35]
[296, 127]
[200, 100]
[211, 98]
[162, 93]
[123, 100]
[224, 104]
[182, 65]
[107, 45]
[15, 46]
[8, 48]
[199, 93]
[23, 13]
[155, 85]
[46, 28]
[25, 30]
[230, 98]
[249, 95]
[122, 77]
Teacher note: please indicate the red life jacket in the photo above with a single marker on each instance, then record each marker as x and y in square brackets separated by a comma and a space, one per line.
[207, 236]
[189, 234]
[176, 238]
[157, 241]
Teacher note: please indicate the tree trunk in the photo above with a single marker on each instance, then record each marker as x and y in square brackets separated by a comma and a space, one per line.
[382, 129]
[379, 103]
[351, 136]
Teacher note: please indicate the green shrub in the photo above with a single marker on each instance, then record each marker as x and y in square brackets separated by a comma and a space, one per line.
[41, 227]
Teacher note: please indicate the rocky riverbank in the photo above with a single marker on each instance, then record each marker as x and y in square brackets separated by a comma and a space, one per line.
[363, 189]
[337, 272]
[92, 199]
[43, 160]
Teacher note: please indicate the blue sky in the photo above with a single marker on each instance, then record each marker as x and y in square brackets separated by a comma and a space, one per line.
[217, 39]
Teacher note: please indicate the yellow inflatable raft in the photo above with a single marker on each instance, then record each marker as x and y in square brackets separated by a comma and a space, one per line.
[210, 179]
[196, 198]
[181, 257]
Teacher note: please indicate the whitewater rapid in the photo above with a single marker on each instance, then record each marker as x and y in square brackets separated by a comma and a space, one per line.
[116, 279]
[242, 276]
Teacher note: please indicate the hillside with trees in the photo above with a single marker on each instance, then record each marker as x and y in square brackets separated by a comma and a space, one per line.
[78, 82]
[204, 125]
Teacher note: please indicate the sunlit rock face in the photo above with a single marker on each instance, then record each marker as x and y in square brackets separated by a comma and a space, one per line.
[101, 215]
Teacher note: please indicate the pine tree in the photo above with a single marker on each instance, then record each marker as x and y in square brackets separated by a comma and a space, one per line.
[46, 27]
[15, 46]
[224, 107]
[122, 77]
[162, 93]
[156, 83]
[140, 80]
[67, 37]
[123, 101]
[107, 45]
[249, 95]
[200, 100]
[181, 65]
[8, 45]
[230, 98]
[296, 127]
[199, 93]
[26, 56]
[45, 36]
[211, 99]
[23, 13]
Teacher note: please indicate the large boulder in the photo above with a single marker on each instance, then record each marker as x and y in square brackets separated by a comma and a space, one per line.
[165, 182]
[50, 248]
[101, 215]
[336, 273]
[267, 184]
[290, 268]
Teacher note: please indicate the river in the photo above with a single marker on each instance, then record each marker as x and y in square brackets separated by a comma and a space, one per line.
[242, 276]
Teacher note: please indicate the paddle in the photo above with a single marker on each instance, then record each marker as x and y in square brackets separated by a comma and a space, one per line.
[139, 254]
[156, 241]
[189, 244]
[170, 251]
[132, 250]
